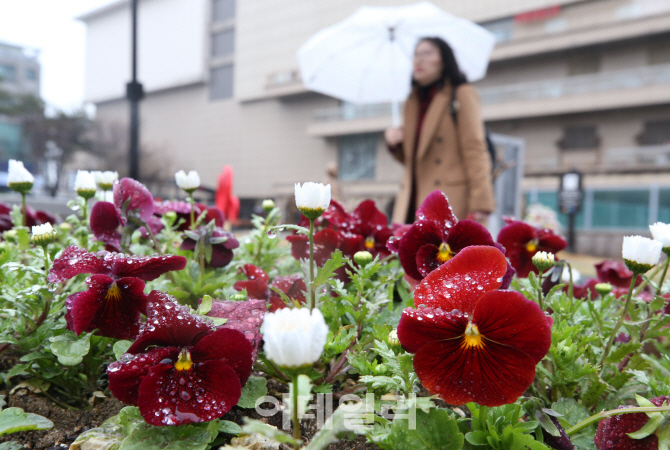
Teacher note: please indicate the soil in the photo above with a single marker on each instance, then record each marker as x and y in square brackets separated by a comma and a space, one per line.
[70, 424]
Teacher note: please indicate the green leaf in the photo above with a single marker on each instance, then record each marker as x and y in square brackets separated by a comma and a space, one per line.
[13, 420]
[69, 348]
[11, 445]
[327, 435]
[335, 262]
[435, 430]
[270, 432]
[183, 437]
[120, 348]
[526, 442]
[16, 370]
[205, 305]
[255, 388]
[228, 427]
[617, 355]
[648, 428]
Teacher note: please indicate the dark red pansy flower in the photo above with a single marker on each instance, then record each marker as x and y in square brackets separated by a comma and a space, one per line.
[616, 273]
[38, 217]
[561, 442]
[474, 343]
[105, 223]
[115, 297]
[133, 199]
[370, 223]
[220, 243]
[6, 222]
[612, 433]
[257, 287]
[245, 317]
[437, 236]
[325, 243]
[180, 370]
[257, 283]
[334, 217]
[522, 241]
[183, 211]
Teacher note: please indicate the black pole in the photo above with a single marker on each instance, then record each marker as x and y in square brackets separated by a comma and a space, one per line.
[571, 233]
[134, 93]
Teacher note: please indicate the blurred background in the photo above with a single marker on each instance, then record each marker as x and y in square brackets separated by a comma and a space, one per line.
[572, 85]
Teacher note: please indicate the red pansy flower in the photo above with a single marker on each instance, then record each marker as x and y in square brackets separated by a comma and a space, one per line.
[217, 243]
[474, 343]
[370, 223]
[115, 297]
[436, 237]
[616, 273]
[257, 287]
[325, 243]
[180, 370]
[105, 223]
[334, 217]
[183, 211]
[612, 433]
[245, 317]
[522, 241]
[133, 200]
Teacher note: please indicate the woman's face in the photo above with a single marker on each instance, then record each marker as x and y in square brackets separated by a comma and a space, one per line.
[427, 63]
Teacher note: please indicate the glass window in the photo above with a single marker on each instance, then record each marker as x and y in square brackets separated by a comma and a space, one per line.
[223, 10]
[664, 205]
[621, 209]
[503, 29]
[579, 137]
[656, 132]
[7, 72]
[583, 63]
[550, 199]
[31, 74]
[223, 43]
[221, 82]
[357, 156]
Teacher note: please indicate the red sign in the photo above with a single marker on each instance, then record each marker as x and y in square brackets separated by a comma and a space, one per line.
[538, 14]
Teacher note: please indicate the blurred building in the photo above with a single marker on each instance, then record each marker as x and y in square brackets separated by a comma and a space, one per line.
[19, 75]
[586, 84]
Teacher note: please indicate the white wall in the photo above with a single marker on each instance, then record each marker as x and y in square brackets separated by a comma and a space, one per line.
[171, 47]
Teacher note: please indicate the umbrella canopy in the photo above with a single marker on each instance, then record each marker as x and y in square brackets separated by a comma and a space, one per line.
[367, 58]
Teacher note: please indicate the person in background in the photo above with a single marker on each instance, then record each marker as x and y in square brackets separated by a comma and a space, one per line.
[438, 152]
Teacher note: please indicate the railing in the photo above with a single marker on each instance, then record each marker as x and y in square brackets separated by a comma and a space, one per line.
[350, 111]
[576, 85]
[657, 155]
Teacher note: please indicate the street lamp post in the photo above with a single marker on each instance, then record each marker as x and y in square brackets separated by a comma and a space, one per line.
[134, 93]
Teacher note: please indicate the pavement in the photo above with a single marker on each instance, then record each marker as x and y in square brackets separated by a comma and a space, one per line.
[583, 263]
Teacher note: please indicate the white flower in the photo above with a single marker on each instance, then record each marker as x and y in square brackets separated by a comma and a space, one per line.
[105, 179]
[85, 181]
[312, 199]
[18, 173]
[189, 182]
[543, 260]
[661, 233]
[641, 250]
[43, 234]
[565, 275]
[294, 337]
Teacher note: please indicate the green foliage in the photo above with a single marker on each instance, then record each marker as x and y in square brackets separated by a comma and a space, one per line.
[255, 388]
[501, 428]
[433, 430]
[13, 420]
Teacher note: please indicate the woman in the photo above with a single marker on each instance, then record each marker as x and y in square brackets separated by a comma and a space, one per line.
[438, 153]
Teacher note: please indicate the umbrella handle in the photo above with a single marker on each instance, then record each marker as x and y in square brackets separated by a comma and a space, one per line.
[395, 113]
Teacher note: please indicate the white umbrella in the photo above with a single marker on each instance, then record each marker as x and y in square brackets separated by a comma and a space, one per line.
[367, 58]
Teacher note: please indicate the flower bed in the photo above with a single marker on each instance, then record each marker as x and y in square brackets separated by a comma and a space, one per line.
[424, 336]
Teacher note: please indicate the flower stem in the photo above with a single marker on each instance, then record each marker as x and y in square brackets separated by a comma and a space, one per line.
[613, 412]
[84, 211]
[294, 413]
[665, 271]
[619, 322]
[46, 261]
[190, 194]
[157, 244]
[312, 287]
[25, 212]
[539, 290]
[571, 286]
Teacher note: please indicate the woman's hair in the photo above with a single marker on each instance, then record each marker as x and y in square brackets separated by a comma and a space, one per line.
[450, 70]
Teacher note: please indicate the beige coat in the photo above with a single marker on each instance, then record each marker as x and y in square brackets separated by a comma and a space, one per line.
[453, 161]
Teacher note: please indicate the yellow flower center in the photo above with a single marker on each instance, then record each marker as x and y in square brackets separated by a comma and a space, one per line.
[531, 246]
[369, 242]
[113, 293]
[472, 338]
[184, 362]
[444, 253]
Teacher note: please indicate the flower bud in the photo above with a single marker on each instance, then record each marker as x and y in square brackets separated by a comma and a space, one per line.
[64, 226]
[640, 253]
[268, 205]
[294, 337]
[188, 183]
[543, 260]
[603, 289]
[43, 235]
[239, 296]
[84, 184]
[312, 199]
[363, 258]
[18, 177]
[106, 179]
[392, 338]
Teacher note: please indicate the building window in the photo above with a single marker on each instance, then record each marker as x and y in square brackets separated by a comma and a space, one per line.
[357, 156]
[579, 137]
[659, 52]
[223, 10]
[221, 82]
[656, 132]
[502, 29]
[31, 74]
[223, 43]
[583, 63]
[621, 209]
[7, 72]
